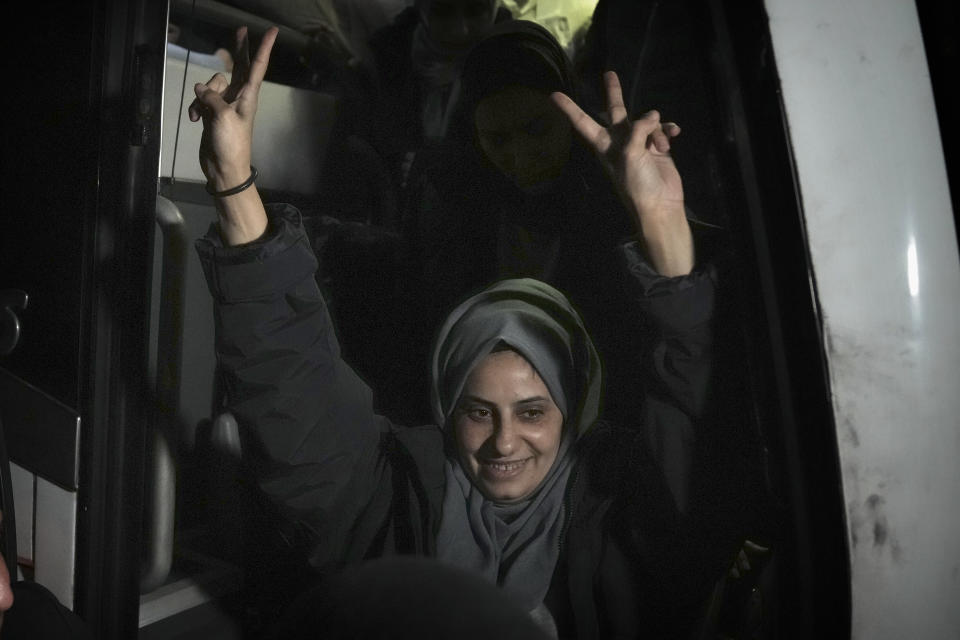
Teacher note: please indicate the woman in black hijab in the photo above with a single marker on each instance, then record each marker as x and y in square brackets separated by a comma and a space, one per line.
[518, 480]
[515, 192]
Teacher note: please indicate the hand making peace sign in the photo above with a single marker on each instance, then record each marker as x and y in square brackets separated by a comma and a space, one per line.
[227, 110]
[636, 154]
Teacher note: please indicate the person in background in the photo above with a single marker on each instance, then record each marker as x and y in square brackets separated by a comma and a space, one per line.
[6, 593]
[417, 59]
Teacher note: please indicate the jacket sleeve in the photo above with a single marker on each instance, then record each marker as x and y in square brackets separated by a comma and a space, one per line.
[682, 556]
[308, 427]
[677, 364]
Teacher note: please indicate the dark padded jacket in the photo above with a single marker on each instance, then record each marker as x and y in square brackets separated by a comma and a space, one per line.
[635, 561]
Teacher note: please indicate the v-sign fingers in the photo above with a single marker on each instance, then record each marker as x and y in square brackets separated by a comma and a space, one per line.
[258, 69]
[615, 107]
[588, 128]
[241, 64]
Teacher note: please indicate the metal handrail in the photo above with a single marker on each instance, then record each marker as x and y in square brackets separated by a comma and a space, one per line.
[160, 492]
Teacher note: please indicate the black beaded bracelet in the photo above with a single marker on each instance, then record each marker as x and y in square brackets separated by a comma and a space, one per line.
[237, 189]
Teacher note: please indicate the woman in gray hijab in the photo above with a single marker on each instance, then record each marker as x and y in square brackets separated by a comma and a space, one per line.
[518, 481]
[516, 380]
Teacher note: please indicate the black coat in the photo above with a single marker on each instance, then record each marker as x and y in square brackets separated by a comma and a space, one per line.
[634, 558]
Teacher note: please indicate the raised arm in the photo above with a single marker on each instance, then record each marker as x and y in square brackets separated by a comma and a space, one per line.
[676, 300]
[308, 428]
[636, 154]
[228, 110]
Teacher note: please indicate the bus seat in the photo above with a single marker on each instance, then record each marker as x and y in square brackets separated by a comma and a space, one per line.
[225, 436]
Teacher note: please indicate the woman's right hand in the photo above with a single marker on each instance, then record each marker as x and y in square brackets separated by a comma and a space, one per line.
[228, 110]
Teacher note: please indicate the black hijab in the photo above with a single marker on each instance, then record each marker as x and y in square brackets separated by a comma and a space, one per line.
[515, 52]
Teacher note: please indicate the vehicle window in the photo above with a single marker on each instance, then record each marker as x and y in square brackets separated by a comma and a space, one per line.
[377, 108]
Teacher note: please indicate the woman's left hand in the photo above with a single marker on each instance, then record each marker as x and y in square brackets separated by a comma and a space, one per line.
[636, 154]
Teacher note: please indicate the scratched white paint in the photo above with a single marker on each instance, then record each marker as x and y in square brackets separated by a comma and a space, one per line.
[870, 163]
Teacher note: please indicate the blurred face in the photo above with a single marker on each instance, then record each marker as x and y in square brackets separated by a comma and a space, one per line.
[507, 427]
[6, 593]
[523, 134]
[457, 24]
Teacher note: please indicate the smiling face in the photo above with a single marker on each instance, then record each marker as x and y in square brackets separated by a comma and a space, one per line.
[507, 427]
[523, 134]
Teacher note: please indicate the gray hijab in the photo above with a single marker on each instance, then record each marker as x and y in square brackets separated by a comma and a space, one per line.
[514, 545]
